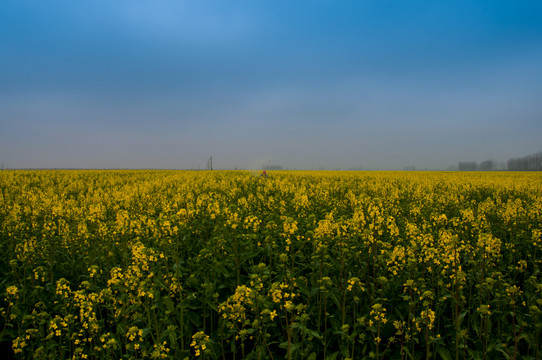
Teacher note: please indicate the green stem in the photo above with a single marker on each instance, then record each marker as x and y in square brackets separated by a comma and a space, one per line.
[427, 345]
[267, 346]
[378, 342]
[289, 336]
[484, 341]
[514, 330]
[325, 323]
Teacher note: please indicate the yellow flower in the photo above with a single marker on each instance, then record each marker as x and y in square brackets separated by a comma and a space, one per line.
[12, 290]
[199, 342]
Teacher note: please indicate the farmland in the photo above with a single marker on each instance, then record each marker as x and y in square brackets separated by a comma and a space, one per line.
[300, 265]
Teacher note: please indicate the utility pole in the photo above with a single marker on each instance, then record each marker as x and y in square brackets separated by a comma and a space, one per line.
[210, 163]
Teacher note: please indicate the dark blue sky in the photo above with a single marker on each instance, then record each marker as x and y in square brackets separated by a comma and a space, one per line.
[303, 84]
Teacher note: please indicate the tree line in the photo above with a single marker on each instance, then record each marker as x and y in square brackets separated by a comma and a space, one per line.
[531, 162]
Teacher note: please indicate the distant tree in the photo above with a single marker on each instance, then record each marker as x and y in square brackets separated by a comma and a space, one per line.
[488, 165]
[467, 166]
[526, 163]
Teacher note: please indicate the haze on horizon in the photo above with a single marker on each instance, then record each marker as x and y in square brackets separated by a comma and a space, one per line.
[301, 84]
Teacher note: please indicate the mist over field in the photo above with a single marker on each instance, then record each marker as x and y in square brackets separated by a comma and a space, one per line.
[302, 84]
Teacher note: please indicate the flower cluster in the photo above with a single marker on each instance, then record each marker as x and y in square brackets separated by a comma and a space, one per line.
[199, 343]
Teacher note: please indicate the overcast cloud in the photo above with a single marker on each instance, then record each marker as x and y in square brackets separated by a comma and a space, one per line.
[301, 84]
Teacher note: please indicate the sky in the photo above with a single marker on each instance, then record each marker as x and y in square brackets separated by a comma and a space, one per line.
[370, 84]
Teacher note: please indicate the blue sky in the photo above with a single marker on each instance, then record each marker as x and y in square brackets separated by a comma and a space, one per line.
[302, 84]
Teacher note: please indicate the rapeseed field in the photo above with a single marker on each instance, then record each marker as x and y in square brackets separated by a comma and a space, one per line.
[140, 264]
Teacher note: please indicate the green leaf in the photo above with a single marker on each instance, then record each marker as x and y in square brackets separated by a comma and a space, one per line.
[295, 347]
[335, 299]
[313, 333]
[407, 352]
[502, 351]
[169, 304]
[462, 316]
[444, 353]
[332, 356]
[475, 355]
